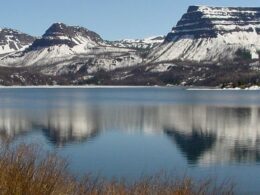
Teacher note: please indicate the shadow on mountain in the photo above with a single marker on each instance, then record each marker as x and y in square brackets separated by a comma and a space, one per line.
[192, 146]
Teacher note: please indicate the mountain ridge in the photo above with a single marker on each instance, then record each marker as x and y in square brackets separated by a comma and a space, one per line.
[211, 34]
[205, 42]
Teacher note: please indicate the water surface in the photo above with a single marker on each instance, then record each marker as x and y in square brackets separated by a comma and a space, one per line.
[130, 132]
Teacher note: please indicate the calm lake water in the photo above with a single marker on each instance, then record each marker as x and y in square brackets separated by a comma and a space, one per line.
[130, 132]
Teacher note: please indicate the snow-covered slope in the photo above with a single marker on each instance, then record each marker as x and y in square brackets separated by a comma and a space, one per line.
[12, 40]
[146, 43]
[59, 41]
[211, 34]
[63, 47]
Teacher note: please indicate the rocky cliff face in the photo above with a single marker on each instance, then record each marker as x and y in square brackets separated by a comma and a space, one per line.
[209, 22]
[211, 34]
[12, 40]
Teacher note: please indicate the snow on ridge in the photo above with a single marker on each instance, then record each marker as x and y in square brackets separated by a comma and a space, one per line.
[147, 39]
[10, 30]
[145, 43]
[211, 34]
[155, 39]
[208, 49]
[212, 9]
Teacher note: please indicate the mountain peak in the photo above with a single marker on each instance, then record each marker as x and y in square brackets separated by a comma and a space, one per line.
[10, 31]
[62, 34]
[56, 27]
[12, 40]
[61, 29]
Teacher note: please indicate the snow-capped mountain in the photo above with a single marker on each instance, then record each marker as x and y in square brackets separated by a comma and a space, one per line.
[146, 43]
[61, 34]
[211, 34]
[66, 49]
[12, 40]
[205, 36]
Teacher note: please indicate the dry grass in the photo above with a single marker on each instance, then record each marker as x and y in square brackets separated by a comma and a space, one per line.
[27, 170]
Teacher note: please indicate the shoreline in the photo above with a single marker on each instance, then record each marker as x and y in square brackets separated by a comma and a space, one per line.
[74, 86]
[253, 88]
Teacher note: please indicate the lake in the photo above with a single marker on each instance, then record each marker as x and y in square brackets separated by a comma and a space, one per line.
[131, 132]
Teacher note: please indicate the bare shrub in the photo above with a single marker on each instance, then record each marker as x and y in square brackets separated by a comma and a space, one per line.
[26, 169]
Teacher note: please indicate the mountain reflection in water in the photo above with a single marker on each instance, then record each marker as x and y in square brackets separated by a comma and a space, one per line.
[205, 134]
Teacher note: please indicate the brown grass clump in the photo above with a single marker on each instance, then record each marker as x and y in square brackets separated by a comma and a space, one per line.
[27, 170]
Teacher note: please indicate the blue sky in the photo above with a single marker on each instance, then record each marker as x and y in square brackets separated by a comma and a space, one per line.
[112, 19]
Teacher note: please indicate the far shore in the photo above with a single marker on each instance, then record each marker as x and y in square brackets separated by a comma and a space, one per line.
[190, 88]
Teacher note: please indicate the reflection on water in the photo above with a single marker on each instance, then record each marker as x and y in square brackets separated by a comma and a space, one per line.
[143, 129]
[205, 134]
[203, 142]
[220, 134]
